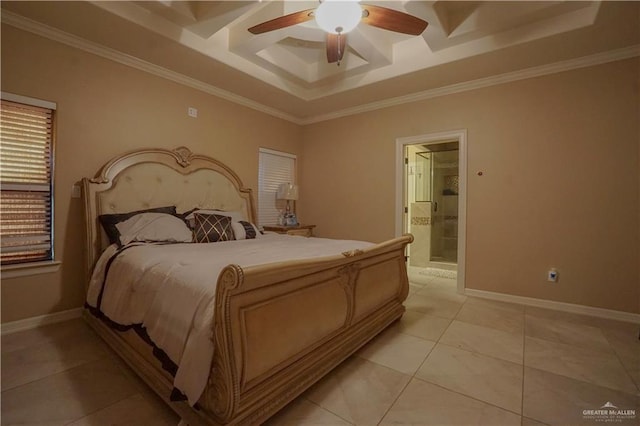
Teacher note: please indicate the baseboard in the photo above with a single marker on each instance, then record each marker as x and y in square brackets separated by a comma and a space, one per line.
[33, 322]
[558, 306]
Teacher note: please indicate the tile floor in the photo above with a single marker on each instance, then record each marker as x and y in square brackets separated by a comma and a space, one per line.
[451, 360]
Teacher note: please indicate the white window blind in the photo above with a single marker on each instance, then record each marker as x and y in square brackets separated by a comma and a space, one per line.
[275, 168]
[26, 169]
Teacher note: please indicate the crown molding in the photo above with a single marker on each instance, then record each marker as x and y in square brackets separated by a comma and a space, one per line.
[54, 34]
[542, 70]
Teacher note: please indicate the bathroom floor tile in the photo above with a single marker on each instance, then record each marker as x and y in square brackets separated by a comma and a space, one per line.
[441, 283]
[413, 288]
[415, 276]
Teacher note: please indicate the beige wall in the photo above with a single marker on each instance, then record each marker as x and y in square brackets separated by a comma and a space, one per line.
[559, 156]
[105, 108]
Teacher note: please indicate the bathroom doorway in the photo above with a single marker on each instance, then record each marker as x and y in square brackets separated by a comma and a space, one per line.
[432, 191]
[432, 172]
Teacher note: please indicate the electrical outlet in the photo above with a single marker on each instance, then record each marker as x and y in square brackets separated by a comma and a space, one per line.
[192, 112]
[552, 275]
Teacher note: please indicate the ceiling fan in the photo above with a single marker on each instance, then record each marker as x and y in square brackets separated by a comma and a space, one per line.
[338, 17]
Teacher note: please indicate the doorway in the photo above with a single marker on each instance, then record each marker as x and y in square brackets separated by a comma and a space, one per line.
[431, 202]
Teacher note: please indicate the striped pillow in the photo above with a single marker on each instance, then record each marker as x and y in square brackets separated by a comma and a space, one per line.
[244, 230]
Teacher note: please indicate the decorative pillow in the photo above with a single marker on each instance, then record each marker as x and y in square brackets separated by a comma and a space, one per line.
[211, 228]
[245, 230]
[189, 216]
[154, 227]
[109, 221]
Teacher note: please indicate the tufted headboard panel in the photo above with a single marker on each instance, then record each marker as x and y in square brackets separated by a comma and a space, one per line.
[156, 178]
[153, 185]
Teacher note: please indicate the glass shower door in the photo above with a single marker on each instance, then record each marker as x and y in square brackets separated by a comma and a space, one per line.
[418, 202]
[444, 215]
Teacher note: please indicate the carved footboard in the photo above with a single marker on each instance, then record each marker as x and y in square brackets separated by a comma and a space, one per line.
[279, 328]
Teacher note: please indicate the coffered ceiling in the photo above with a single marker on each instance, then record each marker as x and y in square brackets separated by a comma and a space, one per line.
[286, 72]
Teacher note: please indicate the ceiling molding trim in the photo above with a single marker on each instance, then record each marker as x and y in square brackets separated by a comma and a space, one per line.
[55, 34]
[539, 71]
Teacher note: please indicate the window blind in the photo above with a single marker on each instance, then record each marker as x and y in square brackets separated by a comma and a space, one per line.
[275, 168]
[26, 136]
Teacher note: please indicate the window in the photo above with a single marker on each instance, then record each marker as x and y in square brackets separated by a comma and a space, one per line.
[275, 168]
[26, 170]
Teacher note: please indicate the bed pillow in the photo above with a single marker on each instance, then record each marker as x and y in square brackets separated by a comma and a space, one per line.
[211, 228]
[244, 230]
[189, 213]
[109, 221]
[154, 227]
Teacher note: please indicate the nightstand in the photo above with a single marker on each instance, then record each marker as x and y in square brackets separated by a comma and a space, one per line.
[301, 230]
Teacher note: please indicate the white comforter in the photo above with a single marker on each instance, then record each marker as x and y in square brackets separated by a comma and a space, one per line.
[170, 290]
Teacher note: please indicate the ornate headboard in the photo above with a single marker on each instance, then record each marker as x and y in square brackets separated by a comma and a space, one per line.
[155, 178]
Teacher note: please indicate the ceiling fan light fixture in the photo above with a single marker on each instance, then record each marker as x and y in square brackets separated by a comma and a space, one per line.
[338, 16]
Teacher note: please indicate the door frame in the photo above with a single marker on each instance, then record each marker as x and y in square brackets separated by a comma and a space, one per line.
[426, 139]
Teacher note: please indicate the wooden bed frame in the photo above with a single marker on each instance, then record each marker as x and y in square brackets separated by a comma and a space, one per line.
[271, 342]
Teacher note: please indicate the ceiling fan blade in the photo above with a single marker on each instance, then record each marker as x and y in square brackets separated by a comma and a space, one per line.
[283, 21]
[336, 44]
[392, 20]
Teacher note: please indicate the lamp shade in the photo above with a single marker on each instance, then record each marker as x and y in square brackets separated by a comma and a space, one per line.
[338, 16]
[287, 191]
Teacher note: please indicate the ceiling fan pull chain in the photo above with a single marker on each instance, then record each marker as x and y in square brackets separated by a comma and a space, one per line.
[339, 49]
